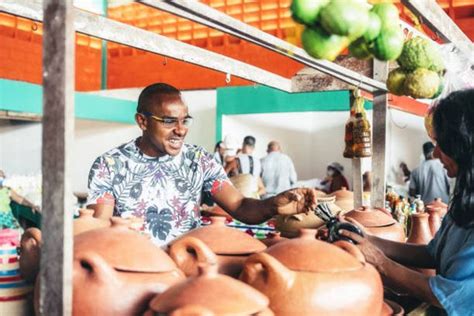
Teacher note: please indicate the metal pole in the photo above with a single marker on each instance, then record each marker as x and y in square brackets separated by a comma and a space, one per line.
[58, 132]
[379, 138]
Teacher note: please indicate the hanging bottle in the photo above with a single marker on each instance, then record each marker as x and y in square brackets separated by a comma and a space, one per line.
[348, 135]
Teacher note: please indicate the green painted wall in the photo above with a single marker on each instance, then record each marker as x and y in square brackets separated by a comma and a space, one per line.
[261, 99]
[26, 97]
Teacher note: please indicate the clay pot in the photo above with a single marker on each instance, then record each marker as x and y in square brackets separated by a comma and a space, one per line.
[391, 308]
[231, 247]
[215, 210]
[344, 199]
[378, 222]
[420, 232]
[305, 276]
[273, 238]
[86, 221]
[438, 203]
[290, 225]
[116, 271]
[197, 296]
[30, 248]
[434, 219]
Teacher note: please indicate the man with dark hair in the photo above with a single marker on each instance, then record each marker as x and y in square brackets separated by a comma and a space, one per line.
[430, 179]
[159, 178]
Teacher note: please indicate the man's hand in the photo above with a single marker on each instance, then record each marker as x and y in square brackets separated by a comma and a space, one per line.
[294, 201]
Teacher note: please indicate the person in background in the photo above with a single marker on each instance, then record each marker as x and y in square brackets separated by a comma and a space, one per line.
[159, 178]
[245, 170]
[430, 179]
[278, 170]
[7, 220]
[451, 251]
[367, 181]
[406, 172]
[335, 179]
[219, 151]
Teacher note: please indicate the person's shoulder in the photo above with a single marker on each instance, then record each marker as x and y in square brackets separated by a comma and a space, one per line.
[195, 151]
[119, 152]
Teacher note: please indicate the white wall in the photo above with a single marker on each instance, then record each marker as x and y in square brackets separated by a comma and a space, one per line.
[20, 142]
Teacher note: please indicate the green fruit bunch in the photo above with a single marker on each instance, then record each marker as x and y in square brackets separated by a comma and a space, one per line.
[332, 25]
[420, 73]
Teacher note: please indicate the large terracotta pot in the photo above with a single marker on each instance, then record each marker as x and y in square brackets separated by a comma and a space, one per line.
[86, 221]
[344, 199]
[434, 219]
[116, 271]
[379, 223]
[290, 225]
[210, 293]
[438, 203]
[420, 232]
[230, 245]
[30, 248]
[305, 276]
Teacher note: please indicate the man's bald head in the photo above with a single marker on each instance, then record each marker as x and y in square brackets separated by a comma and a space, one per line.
[273, 146]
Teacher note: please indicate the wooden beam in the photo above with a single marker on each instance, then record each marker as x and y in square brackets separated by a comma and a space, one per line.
[379, 137]
[58, 133]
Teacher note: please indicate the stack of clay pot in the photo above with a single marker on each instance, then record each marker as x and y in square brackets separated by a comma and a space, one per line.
[305, 276]
[290, 225]
[216, 242]
[15, 292]
[378, 222]
[344, 199]
[208, 294]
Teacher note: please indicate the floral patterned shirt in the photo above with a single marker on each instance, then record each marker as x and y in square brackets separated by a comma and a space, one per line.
[164, 191]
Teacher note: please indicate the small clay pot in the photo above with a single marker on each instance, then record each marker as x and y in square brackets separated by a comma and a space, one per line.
[210, 293]
[230, 246]
[438, 203]
[378, 222]
[86, 221]
[344, 199]
[420, 232]
[305, 276]
[434, 219]
[273, 238]
[30, 249]
[391, 308]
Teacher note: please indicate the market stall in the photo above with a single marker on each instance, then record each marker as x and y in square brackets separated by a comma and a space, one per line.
[287, 261]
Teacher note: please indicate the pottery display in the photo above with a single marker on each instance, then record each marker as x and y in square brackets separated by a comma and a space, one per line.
[290, 225]
[273, 238]
[420, 232]
[434, 219]
[116, 271]
[305, 276]
[210, 293]
[344, 199]
[231, 247]
[438, 203]
[378, 222]
[30, 246]
[86, 221]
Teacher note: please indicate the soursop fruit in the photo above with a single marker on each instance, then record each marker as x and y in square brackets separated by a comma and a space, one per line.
[422, 83]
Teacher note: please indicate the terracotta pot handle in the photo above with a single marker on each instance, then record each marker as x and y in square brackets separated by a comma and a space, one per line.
[264, 266]
[31, 233]
[96, 267]
[351, 249]
[192, 310]
[189, 252]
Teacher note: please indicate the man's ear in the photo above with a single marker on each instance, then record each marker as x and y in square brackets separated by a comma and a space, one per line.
[141, 121]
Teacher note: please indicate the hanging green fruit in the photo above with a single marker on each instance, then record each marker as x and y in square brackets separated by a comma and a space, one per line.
[388, 45]
[307, 11]
[345, 18]
[396, 81]
[321, 45]
[373, 28]
[388, 14]
[359, 49]
[419, 52]
[422, 83]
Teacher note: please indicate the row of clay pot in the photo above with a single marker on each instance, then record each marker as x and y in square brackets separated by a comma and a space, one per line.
[302, 276]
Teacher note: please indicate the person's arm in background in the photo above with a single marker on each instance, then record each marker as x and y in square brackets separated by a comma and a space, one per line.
[22, 200]
[261, 187]
[100, 193]
[413, 188]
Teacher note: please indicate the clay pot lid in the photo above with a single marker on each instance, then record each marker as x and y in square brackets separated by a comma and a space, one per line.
[437, 203]
[224, 240]
[306, 253]
[124, 249]
[86, 221]
[343, 194]
[219, 293]
[371, 217]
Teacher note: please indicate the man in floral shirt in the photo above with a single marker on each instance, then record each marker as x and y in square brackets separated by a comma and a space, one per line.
[159, 178]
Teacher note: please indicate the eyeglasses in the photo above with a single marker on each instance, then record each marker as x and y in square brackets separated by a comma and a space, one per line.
[170, 122]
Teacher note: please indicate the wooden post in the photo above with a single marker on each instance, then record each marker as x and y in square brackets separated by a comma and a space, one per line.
[58, 130]
[379, 137]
